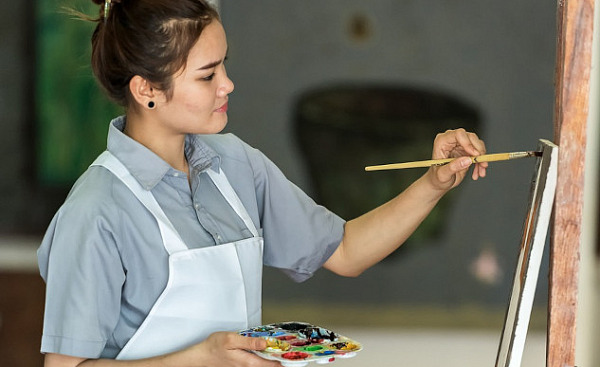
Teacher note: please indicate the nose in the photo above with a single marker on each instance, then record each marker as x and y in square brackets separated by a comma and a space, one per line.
[226, 85]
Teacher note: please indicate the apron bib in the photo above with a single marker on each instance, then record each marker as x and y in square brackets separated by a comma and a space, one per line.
[209, 289]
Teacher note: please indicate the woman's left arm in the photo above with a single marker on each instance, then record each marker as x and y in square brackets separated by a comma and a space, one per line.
[374, 235]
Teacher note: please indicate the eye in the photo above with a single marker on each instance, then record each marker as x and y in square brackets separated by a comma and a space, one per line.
[208, 78]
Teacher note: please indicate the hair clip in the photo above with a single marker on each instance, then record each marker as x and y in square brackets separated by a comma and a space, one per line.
[107, 4]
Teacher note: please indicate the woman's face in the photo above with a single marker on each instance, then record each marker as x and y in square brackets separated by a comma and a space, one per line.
[201, 89]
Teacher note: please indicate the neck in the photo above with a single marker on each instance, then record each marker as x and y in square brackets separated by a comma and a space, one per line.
[166, 144]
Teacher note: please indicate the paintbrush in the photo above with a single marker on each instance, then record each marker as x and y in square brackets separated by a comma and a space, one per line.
[440, 162]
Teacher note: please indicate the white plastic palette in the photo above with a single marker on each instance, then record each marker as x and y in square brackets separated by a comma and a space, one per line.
[295, 344]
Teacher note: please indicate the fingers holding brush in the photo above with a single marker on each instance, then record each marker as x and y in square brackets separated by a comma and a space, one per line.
[476, 146]
[469, 144]
[454, 144]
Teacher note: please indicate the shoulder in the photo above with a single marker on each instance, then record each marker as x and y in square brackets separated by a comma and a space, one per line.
[97, 205]
[82, 226]
[94, 190]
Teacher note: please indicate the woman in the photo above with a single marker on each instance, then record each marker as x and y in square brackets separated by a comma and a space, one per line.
[156, 255]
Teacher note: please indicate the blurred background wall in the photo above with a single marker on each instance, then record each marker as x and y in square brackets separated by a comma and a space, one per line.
[495, 58]
[323, 88]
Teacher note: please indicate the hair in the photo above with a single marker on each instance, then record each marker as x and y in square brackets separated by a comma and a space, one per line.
[149, 38]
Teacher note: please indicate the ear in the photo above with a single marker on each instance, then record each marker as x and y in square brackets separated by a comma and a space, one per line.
[142, 91]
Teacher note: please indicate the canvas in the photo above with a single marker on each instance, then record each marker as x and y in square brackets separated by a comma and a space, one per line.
[533, 240]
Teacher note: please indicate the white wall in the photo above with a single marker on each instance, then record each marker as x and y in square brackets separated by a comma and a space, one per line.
[588, 321]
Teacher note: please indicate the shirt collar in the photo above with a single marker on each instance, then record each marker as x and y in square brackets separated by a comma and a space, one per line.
[147, 167]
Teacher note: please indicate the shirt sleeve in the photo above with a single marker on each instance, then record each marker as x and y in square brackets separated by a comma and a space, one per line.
[80, 263]
[299, 234]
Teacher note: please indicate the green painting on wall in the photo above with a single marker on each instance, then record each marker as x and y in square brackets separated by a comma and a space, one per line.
[72, 111]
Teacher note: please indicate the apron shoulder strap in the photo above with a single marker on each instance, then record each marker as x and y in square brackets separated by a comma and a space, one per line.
[171, 239]
[234, 201]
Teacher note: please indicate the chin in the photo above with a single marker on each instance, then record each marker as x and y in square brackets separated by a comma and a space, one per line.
[215, 126]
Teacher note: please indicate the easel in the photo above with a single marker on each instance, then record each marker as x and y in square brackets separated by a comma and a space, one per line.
[573, 64]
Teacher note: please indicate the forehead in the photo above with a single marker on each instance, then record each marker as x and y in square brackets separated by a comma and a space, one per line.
[211, 45]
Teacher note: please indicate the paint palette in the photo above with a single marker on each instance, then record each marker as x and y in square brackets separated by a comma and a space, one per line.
[295, 344]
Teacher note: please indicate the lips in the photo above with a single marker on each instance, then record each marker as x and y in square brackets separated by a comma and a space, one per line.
[223, 108]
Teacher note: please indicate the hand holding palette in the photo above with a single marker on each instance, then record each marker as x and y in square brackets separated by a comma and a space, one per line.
[294, 344]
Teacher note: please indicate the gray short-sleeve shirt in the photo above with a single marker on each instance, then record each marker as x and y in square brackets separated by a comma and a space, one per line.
[102, 256]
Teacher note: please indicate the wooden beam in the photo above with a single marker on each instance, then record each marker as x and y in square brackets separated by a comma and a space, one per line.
[573, 64]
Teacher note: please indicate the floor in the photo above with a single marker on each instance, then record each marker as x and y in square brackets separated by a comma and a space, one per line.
[435, 348]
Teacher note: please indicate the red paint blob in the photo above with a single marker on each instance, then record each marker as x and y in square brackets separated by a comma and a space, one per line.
[286, 337]
[300, 343]
[295, 355]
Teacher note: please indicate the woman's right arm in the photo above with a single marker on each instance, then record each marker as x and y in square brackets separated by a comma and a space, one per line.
[219, 349]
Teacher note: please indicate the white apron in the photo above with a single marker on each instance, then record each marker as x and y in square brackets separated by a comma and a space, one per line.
[209, 289]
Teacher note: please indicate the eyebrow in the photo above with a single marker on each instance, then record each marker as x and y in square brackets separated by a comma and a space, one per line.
[213, 64]
[209, 65]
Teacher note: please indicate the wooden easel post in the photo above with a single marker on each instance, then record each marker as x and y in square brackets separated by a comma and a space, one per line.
[573, 64]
